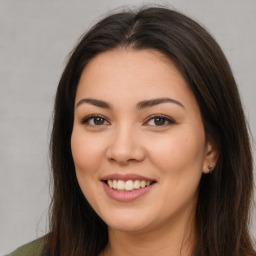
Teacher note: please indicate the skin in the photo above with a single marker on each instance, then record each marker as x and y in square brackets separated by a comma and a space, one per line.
[172, 151]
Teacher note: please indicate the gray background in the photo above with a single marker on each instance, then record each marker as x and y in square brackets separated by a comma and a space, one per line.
[35, 38]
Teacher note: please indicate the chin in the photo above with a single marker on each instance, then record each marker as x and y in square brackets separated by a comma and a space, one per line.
[127, 227]
[127, 223]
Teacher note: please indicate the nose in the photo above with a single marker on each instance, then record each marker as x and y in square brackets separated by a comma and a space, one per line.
[125, 146]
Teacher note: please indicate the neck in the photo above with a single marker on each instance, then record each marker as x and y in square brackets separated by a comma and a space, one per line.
[177, 240]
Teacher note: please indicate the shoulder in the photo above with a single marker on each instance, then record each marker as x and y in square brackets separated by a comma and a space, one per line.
[33, 248]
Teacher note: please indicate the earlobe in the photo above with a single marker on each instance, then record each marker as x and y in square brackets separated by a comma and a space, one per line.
[210, 168]
[211, 156]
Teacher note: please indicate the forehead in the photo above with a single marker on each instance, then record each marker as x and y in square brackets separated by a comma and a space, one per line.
[132, 74]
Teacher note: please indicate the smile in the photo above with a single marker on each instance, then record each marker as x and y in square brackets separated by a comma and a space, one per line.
[128, 185]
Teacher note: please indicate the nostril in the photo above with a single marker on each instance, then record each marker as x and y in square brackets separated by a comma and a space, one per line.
[125, 152]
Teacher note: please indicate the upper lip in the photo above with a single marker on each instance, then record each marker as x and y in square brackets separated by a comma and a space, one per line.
[125, 177]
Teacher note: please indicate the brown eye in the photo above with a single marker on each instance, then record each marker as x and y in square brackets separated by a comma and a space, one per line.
[159, 120]
[98, 120]
[95, 120]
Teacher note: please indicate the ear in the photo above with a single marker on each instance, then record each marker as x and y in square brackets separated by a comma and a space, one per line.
[211, 156]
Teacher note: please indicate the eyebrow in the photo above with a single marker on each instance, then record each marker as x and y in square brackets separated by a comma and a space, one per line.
[152, 102]
[141, 105]
[98, 103]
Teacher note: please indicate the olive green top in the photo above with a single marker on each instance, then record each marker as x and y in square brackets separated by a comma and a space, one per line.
[33, 248]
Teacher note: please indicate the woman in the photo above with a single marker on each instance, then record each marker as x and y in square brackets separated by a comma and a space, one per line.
[150, 149]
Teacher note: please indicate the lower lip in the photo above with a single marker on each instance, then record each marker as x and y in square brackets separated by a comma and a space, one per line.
[126, 196]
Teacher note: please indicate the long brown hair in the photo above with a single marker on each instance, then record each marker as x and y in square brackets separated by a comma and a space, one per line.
[225, 196]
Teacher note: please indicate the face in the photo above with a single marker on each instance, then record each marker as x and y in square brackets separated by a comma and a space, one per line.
[138, 140]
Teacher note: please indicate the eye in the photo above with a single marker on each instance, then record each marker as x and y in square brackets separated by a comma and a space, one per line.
[159, 120]
[95, 120]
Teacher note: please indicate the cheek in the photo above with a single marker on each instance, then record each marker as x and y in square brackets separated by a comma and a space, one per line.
[178, 154]
[179, 160]
[86, 153]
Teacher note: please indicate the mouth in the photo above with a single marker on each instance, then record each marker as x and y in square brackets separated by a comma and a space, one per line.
[128, 185]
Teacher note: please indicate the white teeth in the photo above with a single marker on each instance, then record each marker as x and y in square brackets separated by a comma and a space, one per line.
[128, 185]
[110, 183]
[143, 183]
[120, 185]
[136, 184]
[114, 184]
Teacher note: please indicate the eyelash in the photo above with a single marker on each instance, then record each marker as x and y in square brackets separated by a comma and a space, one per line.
[87, 119]
[167, 120]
